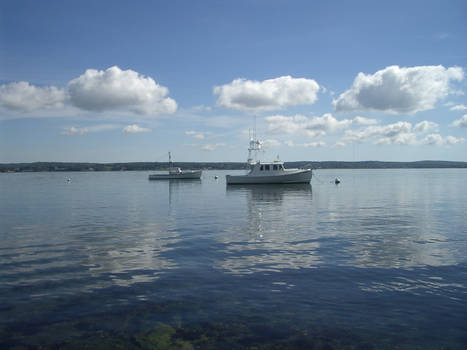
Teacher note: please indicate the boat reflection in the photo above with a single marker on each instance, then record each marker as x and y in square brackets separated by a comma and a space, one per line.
[271, 192]
[271, 238]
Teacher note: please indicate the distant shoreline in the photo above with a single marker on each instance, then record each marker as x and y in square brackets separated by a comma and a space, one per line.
[148, 166]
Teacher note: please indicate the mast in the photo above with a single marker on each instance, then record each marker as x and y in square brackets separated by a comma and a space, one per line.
[255, 146]
[170, 161]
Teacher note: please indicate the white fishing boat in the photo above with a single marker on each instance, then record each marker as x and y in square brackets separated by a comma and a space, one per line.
[268, 172]
[176, 173]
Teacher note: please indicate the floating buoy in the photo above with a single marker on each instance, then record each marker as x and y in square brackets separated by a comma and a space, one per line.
[337, 181]
[216, 177]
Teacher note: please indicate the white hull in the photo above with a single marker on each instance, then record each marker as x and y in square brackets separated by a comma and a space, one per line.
[184, 175]
[286, 177]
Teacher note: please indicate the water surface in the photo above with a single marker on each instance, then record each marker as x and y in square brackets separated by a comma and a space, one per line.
[110, 258]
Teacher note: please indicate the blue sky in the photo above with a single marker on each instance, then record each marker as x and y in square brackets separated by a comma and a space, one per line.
[111, 81]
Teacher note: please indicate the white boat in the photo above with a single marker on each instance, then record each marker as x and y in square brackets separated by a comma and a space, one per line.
[177, 173]
[268, 172]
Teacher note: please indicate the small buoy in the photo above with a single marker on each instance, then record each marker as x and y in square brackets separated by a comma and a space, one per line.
[337, 181]
[216, 177]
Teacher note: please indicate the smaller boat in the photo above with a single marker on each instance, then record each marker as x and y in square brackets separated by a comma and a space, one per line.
[176, 173]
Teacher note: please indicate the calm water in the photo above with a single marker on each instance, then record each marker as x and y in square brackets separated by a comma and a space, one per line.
[113, 260]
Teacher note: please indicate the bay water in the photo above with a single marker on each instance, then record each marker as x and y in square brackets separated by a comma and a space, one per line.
[111, 259]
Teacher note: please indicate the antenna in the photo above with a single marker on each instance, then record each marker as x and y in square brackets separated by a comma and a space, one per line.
[255, 129]
[255, 146]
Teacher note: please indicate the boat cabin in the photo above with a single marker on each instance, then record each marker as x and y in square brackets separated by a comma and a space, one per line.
[267, 168]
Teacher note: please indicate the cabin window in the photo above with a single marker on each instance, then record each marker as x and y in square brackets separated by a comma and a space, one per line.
[274, 167]
[267, 166]
[281, 167]
[261, 168]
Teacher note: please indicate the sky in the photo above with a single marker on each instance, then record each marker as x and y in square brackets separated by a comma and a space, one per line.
[129, 81]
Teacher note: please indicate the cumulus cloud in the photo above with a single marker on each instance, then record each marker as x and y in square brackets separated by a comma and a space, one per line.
[250, 95]
[114, 89]
[110, 90]
[363, 121]
[326, 123]
[406, 138]
[397, 133]
[425, 126]
[460, 123]
[399, 90]
[451, 140]
[196, 134]
[316, 126]
[458, 108]
[24, 97]
[133, 129]
[438, 140]
[285, 124]
[400, 133]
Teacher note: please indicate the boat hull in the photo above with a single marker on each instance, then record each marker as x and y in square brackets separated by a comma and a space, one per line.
[303, 176]
[191, 175]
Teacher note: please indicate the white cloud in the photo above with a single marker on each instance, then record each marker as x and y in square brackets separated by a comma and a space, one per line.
[212, 147]
[250, 95]
[363, 121]
[84, 130]
[316, 126]
[400, 133]
[74, 131]
[340, 143]
[399, 90]
[442, 35]
[196, 134]
[433, 139]
[403, 138]
[269, 143]
[133, 129]
[326, 123]
[451, 140]
[458, 108]
[425, 126]
[438, 140]
[315, 144]
[286, 125]
[115, 89]
[397, 133]
[290, 143]
[110, 90]
[23, 97]
[460, 123]
[201, 108]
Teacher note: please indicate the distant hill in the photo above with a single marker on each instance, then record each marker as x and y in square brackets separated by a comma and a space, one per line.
[65, 166]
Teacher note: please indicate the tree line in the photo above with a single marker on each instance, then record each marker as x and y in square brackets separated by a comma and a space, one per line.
[160, 166]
